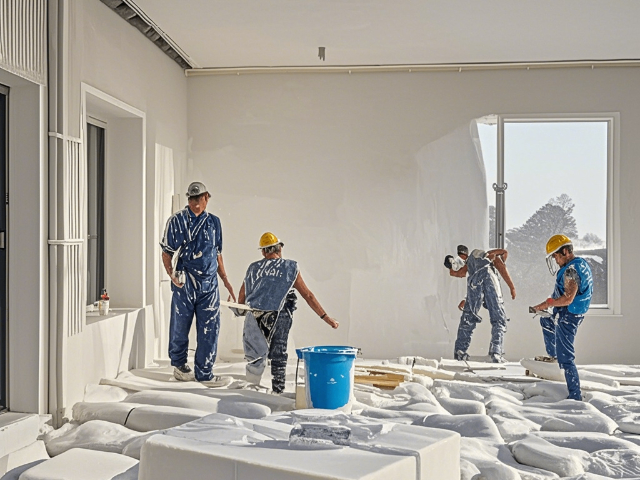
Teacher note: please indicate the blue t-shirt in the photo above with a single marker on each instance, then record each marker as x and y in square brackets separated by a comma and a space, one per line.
[199, 239]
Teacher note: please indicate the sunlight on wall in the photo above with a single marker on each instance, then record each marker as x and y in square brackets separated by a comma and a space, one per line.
[369, 221]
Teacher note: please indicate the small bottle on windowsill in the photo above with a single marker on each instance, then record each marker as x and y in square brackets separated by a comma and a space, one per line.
[104, 302]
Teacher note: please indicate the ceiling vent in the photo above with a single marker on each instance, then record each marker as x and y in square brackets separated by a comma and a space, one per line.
[128, 10]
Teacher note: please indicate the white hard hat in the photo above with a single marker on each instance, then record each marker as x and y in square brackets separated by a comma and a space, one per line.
[195, 189]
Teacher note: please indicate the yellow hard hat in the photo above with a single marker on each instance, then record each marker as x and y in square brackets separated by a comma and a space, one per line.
[269, 240]
[556, 242]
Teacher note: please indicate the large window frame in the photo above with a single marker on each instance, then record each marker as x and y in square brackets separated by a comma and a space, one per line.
[613, 307]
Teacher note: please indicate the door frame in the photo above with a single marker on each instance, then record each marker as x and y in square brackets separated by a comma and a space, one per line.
[4, 314]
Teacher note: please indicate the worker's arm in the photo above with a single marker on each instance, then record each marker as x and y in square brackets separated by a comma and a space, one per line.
[241, 295]
[166, 261]
[460, 273]
[502, 269]
[570, 291]
[498, 252]
[223, 276]
[313, 302]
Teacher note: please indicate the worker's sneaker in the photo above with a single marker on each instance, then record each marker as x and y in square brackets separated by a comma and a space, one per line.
[546, 358]
[217, 381]
[184, 373]
[460, 355]
[497, 358]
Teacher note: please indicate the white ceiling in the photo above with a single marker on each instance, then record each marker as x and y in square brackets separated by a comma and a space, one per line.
[263, 33]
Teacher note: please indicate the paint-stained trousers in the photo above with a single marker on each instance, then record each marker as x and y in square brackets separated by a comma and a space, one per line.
[558, 341]
[202, 300]
[257, 350]
[483, 288]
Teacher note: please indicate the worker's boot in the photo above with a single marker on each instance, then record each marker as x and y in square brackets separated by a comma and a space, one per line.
[184, 373]
[217, 381]
[462, 356]
[497, 358]
[546, 358]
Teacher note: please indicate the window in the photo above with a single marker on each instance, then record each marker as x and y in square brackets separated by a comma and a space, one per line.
[549, 175]
[95, 211]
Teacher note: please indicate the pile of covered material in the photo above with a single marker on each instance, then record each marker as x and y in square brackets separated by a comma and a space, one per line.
[509, 426]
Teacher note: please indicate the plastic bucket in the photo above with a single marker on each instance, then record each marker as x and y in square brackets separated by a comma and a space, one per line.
[328, 375]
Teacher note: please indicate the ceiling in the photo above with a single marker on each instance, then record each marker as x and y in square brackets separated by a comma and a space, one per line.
[287, 33]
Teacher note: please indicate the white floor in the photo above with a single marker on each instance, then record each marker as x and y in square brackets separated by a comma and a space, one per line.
[511, 425]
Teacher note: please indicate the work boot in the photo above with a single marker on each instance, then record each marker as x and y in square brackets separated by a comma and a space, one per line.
[497, 358]
[217, 381]
[184, 373]
[546, 358]
[460, 355]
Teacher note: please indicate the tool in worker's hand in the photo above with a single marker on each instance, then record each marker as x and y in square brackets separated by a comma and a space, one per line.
[542, 313]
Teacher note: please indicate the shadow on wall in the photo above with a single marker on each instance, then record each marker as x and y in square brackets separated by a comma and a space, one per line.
[409, 305]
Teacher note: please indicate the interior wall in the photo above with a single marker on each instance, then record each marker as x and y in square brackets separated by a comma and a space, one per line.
[351, 172]
[113, 57]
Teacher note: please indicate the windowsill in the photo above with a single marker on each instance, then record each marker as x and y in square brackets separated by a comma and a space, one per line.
[603, 312]
[95, 317]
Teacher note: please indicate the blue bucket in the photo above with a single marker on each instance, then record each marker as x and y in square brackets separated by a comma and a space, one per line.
[328, 375]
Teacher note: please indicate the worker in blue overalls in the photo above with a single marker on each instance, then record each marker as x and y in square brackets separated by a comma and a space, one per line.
[483, 288]
[268, 289]
[570, 301]
[192, 257]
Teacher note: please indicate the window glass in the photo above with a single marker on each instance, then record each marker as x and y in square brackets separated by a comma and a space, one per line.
[95, 211]
[556, 172]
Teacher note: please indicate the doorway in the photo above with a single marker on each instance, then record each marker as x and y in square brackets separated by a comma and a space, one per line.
[4, 97]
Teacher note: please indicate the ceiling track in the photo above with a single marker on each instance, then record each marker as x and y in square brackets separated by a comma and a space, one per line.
[133, 14]
[459, 67]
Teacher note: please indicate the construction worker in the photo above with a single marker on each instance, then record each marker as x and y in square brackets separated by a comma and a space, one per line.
[570, 301]
[483, 288]
[268, 289]
[192, 257]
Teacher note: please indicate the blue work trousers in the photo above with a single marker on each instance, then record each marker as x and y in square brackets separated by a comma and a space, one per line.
[205, 304]
[558, 341]
[483, 289]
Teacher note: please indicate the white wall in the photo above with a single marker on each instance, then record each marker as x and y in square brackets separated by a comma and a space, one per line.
[116, 58]
[348, 170]
[113, 57]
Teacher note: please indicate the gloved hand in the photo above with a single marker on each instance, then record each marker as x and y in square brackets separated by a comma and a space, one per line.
[178, 278]
[238, 312]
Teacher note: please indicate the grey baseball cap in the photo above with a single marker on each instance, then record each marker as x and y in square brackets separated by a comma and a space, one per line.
[195, 189]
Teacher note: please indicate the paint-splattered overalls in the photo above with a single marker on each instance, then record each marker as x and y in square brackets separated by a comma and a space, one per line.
[559, 331]
[483, 288]
[198, 242]
[269, 289]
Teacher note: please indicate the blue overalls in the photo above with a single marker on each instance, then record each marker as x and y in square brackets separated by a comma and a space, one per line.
[268, 287]
[559, 331]
[199, 240]
[483, 288]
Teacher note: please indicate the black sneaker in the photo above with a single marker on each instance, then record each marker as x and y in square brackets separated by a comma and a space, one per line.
[184, 373]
